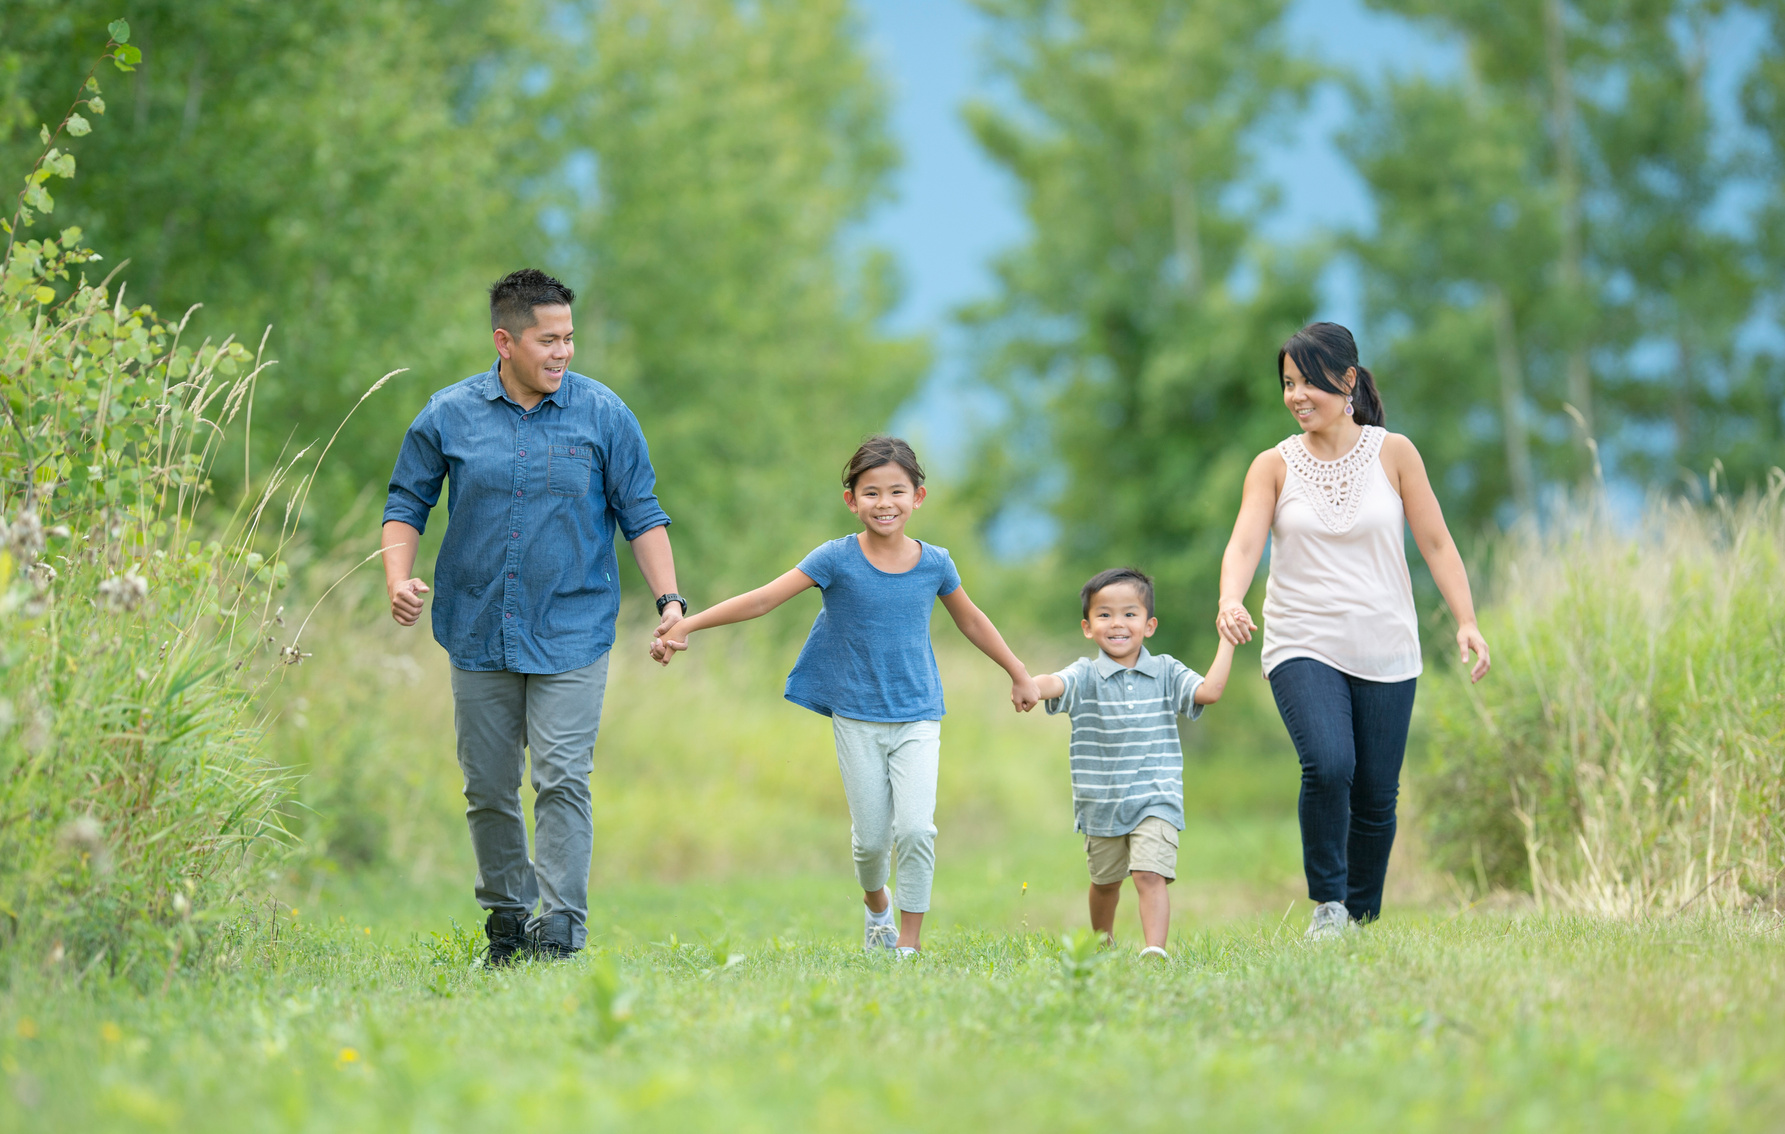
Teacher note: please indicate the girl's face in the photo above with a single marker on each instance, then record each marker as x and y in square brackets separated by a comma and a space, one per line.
[883, 499]
[1314, 409]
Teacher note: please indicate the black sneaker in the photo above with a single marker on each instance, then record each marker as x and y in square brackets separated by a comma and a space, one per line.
[550, 939]
[508, 938]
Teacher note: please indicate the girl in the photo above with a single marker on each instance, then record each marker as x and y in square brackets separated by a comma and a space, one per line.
[868, 665]
[1341, 640]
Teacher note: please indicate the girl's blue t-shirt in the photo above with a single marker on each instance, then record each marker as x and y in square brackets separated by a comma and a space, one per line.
[868, 656]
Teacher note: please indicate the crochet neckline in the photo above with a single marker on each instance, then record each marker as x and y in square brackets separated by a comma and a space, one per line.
[1336, 487]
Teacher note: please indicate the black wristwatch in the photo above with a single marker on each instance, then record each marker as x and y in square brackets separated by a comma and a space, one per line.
[665, 600]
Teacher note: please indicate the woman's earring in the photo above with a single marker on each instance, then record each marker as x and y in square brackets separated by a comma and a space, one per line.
[1347, 405]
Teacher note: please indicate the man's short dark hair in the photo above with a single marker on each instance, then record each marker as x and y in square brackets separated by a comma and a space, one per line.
[882, 450]
[514, 296]
[1134, 577]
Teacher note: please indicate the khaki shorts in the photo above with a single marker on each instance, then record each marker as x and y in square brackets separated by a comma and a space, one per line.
[1151, 846]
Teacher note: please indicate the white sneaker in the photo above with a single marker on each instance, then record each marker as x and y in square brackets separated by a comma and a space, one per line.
[1331, 919]
[878, 931]
[905, 952]
[1154, 951]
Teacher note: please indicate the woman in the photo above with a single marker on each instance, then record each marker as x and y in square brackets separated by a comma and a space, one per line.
[1341, 639]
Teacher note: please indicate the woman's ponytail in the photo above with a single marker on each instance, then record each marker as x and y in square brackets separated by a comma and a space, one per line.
[1323, 352]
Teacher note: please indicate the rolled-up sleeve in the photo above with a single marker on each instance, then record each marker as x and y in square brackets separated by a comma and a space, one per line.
[630, 481]
[415, 483]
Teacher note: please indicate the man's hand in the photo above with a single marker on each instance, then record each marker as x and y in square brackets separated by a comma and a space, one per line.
[406, 601]
[1024, 693]
[663, 649]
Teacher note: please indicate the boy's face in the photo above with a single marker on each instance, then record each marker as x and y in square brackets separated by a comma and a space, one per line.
[1118, 621]
[883, 499]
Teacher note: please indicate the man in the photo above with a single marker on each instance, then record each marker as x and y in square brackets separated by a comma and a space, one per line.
[543, 463]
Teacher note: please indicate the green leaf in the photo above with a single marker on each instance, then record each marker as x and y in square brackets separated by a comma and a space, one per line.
[79, 127]
[44, 133]
[96, 105]
[126, 58]
[92, 85]
[38, 199]
[44, 295]
[120, 31]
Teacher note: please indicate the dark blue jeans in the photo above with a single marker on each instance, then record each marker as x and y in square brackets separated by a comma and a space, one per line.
[1351, 736]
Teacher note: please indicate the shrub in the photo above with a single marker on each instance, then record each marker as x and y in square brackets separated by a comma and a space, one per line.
[135, 624]
[1628, 753]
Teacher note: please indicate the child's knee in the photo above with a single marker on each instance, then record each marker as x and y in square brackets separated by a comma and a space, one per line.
[1106, 889]
[1147, 881]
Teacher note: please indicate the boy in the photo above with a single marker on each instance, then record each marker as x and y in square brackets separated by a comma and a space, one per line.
[1127, 764]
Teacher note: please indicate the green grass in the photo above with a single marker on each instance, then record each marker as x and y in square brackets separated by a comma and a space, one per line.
[760, 1014]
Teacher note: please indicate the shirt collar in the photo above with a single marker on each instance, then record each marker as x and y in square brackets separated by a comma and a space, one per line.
[1108, 667]
[492, 386]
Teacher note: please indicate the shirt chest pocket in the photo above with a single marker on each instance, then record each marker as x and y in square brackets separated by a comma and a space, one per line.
[567, 470]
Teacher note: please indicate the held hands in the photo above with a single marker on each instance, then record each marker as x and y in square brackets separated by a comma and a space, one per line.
[664, 644]
[406, 601]
[1469, 640]
[1024, 694]
[1233, 623]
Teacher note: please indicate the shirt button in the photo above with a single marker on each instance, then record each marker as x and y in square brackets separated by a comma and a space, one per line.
[511, 575]
[508, 616]
[517, 535]
[523, 452]
[517, 493]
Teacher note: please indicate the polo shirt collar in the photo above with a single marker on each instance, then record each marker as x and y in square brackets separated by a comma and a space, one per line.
[1108, 667]
[492, 386]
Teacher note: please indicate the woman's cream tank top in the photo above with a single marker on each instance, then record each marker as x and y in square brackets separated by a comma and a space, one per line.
[1338, 590]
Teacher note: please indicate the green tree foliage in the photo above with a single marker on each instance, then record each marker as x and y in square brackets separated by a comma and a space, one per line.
[356, 173]
[1549, 256]
[733, 146]
[1141, 317]
[334, 169]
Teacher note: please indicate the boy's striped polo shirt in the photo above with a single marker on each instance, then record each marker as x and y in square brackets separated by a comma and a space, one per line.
[1127, 762]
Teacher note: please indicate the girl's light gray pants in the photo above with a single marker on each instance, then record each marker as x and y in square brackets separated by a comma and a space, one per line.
[501, 717]
[889, 775]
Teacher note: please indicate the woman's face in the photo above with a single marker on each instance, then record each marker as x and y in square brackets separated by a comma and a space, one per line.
[1313, 408]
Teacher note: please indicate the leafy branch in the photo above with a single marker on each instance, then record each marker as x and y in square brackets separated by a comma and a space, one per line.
[54, 162]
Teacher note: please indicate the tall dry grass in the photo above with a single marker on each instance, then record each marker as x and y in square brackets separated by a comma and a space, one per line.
[1627, 756]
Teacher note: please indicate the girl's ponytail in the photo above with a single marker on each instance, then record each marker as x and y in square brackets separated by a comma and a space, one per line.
[1323, 352]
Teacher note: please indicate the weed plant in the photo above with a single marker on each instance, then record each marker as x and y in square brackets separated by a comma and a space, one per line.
[138, 617]
[1628, 754]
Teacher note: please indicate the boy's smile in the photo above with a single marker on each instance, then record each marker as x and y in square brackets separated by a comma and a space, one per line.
[1119, 623]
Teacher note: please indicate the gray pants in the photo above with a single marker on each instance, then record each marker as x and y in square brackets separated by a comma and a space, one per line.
[501, 717]
[889, 775]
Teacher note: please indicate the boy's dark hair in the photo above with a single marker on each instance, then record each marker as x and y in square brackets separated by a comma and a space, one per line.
[514, 296]
[882, 450]
[1130, 575]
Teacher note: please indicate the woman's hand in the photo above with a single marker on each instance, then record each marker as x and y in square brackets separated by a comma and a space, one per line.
[1233, 623]
[1469, 640]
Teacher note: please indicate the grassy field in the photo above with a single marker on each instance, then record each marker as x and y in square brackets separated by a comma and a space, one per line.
[745, 1007]
[725, 989]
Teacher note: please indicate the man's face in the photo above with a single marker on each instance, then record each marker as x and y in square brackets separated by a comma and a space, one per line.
[534, 361]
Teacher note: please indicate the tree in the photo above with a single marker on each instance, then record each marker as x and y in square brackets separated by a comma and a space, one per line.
[1140, 318]
[1549, 263]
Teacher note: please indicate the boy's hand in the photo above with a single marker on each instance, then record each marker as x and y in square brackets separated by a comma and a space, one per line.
[406, 601]
[1024, 694]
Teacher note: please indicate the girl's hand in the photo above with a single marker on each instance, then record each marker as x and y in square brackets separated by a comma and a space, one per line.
[664, 645]
[1233, 623]
[1024, 694]
[1469, 640]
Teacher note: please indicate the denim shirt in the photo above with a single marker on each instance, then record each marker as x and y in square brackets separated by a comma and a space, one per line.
[527, 579]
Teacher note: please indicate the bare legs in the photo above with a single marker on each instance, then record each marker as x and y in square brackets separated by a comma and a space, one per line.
[1155, 907]
[910, 924]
